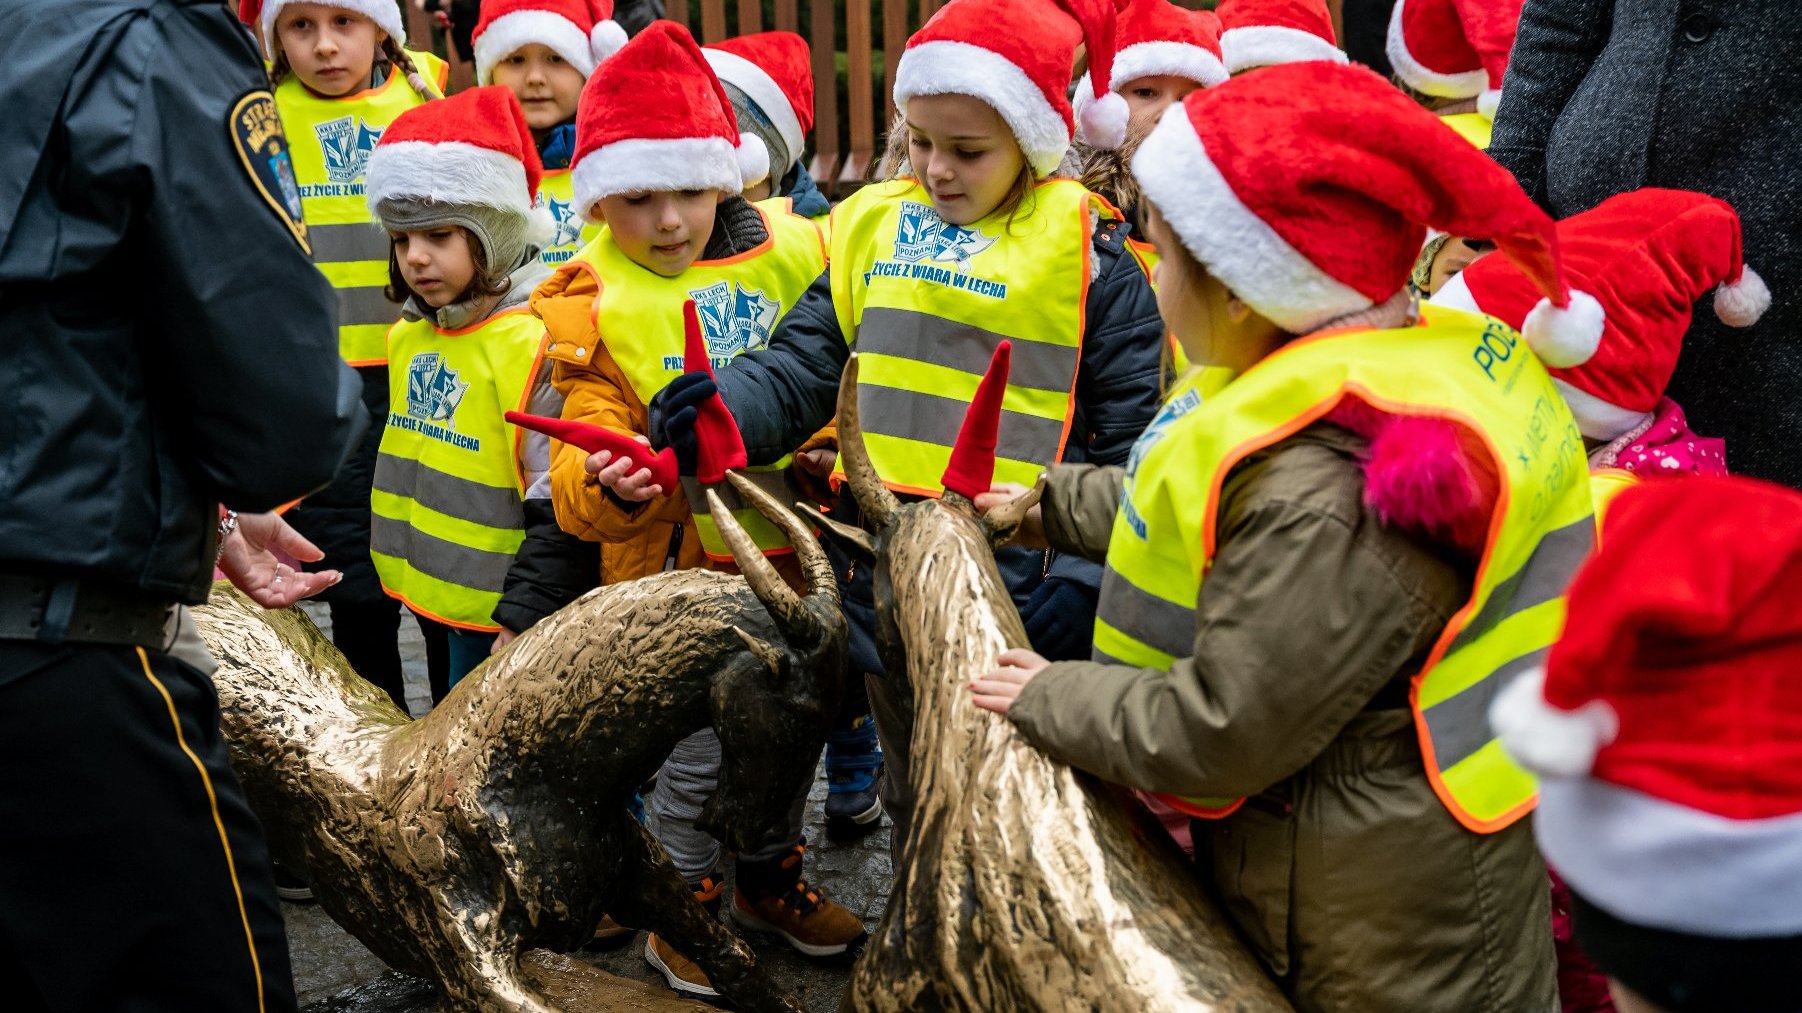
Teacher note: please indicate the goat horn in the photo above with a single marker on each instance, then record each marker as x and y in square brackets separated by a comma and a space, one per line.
[815, 565]
[784, 605]
[1003, 522]
[855, 536]
[766, 653]
[874, 498]
[971, 470]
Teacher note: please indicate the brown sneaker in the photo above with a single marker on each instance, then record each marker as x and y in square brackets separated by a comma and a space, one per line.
[683, 974]
[812, 923]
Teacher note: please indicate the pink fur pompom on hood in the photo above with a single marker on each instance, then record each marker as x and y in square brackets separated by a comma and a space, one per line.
[1422, 475]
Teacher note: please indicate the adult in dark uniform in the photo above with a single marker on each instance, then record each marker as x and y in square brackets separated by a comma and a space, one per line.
[165, 345]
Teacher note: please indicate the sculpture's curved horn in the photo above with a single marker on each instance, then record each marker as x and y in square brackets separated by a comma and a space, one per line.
[874, 498]
[801, 627]
[1003, 522]
[816, 566]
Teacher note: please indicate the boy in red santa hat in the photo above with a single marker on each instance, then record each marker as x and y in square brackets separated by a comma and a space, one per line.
[1268, 33]
[1666, 727]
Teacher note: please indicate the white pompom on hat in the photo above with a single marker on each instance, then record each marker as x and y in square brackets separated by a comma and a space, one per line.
[583, 32]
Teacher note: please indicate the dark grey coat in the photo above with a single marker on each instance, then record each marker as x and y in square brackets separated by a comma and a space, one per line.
[1604, 96]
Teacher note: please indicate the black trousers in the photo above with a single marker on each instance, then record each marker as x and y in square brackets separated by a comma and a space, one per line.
[133, 875]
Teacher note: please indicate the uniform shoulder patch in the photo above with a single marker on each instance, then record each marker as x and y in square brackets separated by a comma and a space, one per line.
[256, 133]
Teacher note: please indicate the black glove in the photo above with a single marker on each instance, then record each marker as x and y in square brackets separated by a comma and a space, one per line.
[673, 414]
[1060, 619]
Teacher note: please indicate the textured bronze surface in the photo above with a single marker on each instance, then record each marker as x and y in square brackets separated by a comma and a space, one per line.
[498, 823]
[1020, 884]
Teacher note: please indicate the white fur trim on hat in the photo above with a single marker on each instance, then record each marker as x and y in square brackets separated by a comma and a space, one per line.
[1652, 862]
[1741, 303]
[1268, 45]
[1489, 102]
[385, 14]
[946, 67]
[1233, 243]
[1468, 84]
[1596, 418]
[1179, 59]
[510, 33]
[1546, 739]
[762, 89]
[641, 165]
[1454, 293]
[1566, 337]
[448, 172]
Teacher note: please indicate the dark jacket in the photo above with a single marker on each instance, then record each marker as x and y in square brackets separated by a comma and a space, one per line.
[165, 342]
[783, 394]
[799, 187]
[1355, 885]
[1604, 96]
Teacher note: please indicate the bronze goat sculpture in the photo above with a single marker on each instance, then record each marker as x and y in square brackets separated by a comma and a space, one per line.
[498, 823]
[1020, 884]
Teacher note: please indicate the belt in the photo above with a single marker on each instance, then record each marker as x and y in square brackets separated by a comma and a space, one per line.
[64, 610]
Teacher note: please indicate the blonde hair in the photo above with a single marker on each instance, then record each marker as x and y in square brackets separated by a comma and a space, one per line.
[391, 51]
[895, 163]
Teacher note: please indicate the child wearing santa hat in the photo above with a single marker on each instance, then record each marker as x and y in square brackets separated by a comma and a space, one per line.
[659, 164]
[1666, 728]
[1648, 255]
[1451, 56]
[341, 73]
[930, 272]
[1269, 33]
[769, 78]
[543, 51]
[454, 184]
[1318, 575]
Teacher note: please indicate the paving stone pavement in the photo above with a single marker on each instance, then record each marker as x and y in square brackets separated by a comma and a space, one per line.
[334, 973]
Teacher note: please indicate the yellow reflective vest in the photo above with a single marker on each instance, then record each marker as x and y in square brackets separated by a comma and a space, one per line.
[638, 315]
[924, 303]
[1473, 127]
[447, 510]
[331, 139]
[1604, 486]
[557, 194]
[1469, 369]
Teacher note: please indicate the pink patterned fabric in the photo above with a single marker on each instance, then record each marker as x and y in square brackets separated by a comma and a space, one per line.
[1663, 446]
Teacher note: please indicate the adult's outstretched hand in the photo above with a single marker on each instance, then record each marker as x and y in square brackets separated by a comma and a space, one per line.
[248, 560]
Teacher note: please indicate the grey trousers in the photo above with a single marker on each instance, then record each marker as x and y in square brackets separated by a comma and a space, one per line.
[688, 779]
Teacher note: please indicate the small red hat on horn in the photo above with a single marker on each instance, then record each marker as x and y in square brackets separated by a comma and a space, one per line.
[718, 446]
[971, 470]
[593, 438]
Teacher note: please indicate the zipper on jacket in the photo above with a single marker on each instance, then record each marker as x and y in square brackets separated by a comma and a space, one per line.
[675, 549]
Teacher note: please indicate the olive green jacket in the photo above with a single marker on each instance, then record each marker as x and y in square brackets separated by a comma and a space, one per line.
[1356, 887]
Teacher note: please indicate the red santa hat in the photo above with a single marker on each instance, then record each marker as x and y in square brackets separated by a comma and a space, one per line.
[1016, 56]
[583, 32]
[472, 148]
[1264, 33]
[1647, 256]
[654, 117]
[774, 70]
[1156, 37]
[1454, 48]
[1667, 722]
[1308, 191]
[385, 14]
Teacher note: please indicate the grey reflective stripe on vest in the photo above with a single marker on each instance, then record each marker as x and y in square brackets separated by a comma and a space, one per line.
[1544, 576]
[922, 337]
[930, 418]
[1459, 725]
[435, 557]
[776, 483]
[342, 244]
[449, 495]
[1143, 616]
[366, 305]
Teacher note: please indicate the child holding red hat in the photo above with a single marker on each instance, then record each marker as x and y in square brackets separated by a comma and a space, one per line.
[1319, 575]
[543, 51]
[659, 165]
[1666, 727]
[341, 74]
[454, 183]
[931, 272]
